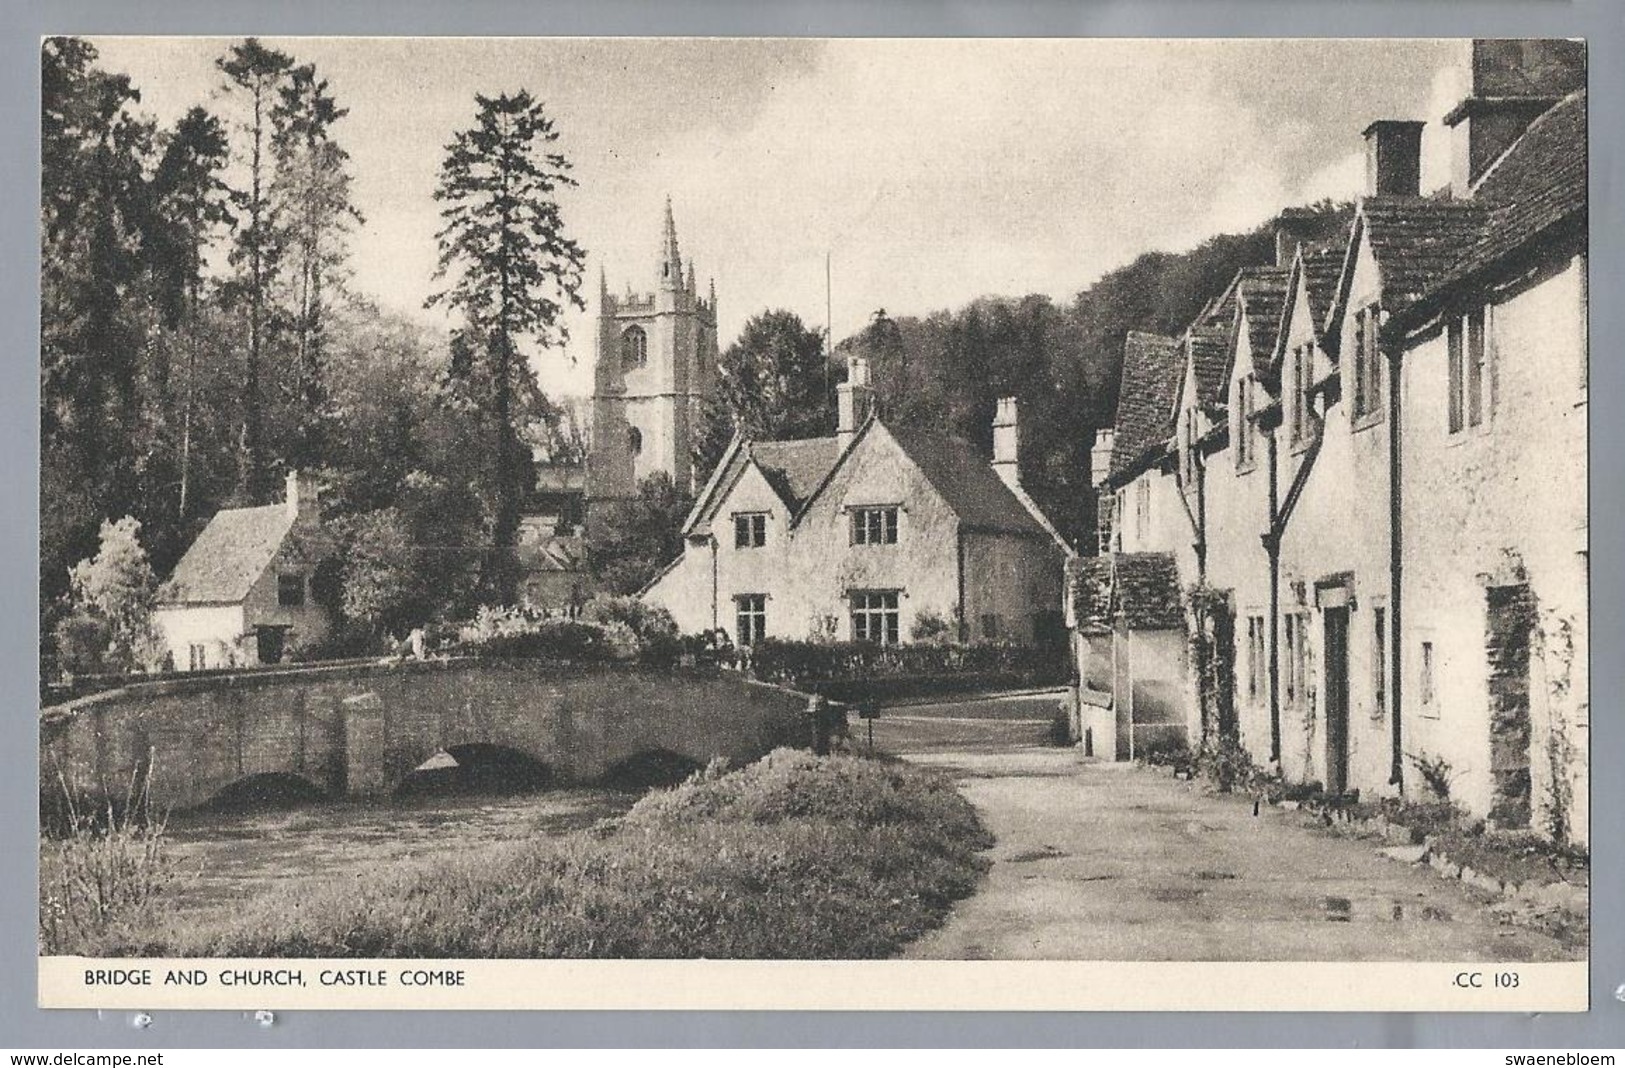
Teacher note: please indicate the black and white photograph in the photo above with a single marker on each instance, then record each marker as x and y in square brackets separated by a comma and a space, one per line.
[1116, 503]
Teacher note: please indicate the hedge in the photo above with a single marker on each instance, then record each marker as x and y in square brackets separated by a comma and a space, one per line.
[830, 666]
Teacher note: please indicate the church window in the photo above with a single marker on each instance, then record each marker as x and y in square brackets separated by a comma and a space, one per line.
[634, 440]
[634, 348]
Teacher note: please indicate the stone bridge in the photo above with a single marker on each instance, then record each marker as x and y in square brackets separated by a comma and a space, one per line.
[357, 730]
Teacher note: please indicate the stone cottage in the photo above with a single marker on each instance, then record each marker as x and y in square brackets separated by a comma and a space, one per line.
[1393, 556]
[877, 533]
[254, 585]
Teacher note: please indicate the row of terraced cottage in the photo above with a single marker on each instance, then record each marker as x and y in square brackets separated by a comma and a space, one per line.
[1344, 512]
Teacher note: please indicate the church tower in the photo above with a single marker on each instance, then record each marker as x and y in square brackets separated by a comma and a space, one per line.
[655, 362]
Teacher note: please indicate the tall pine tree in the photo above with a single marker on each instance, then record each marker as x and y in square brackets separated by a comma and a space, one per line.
[258, 73]
[510, 271]
[314, 207]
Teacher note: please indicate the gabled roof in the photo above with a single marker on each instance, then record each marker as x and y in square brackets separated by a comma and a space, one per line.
[967, 481]
[1208, 346]
[1142, 588]
[229, 556]
[1537, 185]
[1416, 241]
[1262, 294]
[795, 468]
[1321, 268]
[799, 471]
[1153, 369]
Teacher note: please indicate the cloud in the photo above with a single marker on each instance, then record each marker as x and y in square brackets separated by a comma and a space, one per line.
[930, 171]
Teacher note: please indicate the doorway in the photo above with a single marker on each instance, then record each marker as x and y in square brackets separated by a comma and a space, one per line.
[270, 642]
[1336, 619]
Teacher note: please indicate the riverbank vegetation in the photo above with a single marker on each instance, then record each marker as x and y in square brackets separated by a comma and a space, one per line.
[795, 856]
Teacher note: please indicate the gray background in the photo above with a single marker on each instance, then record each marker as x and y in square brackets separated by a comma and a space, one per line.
[23, 1026]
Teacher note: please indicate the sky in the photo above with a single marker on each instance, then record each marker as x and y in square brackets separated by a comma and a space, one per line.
[930, 172]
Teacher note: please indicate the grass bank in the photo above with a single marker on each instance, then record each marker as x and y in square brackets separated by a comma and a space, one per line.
[795, 856]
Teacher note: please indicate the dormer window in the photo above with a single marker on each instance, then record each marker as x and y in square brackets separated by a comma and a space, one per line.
[1188, 438]
[1301, 406]
[750, 530]
[634, 348]
[1469, 371]
[1367, 364]
[1243, 433]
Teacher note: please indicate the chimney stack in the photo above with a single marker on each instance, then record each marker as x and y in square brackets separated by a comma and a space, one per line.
[1100, 457]
[302, 494]
[1293, 229]
[1007, 442]
[854, 400]
[1513, 82]
[1393, 158]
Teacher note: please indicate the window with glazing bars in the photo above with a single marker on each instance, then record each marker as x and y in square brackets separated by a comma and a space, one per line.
[750, 615]
[874, 616]
[874, 526]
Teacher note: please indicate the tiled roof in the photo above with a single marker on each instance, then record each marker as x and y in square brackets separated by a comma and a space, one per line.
[1539, 183]
[1152, 370]
[967, 481]
[1143, 587]
[1417, 241]
[795, 468]
[229, 556]
[1089, 578]
[553, 553]
[1209, 348]
[1321, 269]
[1263, 293]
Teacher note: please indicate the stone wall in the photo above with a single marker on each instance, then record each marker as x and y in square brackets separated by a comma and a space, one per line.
[358, 730]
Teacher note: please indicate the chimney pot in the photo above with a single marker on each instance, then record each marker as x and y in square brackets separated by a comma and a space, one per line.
[1393, 158]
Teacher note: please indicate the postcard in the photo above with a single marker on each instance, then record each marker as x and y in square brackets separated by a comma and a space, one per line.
[798, 523]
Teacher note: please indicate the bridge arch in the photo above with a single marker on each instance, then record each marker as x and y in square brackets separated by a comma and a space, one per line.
[649, 768]
[477, 768]
[265, 790]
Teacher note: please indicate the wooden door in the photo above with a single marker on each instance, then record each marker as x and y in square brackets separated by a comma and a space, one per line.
[1337, 698]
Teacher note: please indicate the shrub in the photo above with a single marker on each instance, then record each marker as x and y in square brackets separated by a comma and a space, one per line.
[652, 627]
[1436, 772]
[1060, 727]
[1228, 765]
[647, 621]
[807, 663]
[1167, 751]
[932, 626]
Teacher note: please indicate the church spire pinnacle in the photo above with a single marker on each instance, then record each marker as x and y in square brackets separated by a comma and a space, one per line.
[671, 261]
